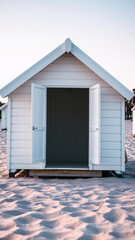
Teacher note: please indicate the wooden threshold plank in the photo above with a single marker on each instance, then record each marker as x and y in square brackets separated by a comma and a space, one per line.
[64, 173]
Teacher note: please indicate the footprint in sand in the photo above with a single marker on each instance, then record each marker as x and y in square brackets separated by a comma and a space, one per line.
[80, 214]
[61, 221]
[69, 209]
[25, 232]
[26, 220]
[76, 224]
[52, 235]
[13, 212]
[123, 234]
[93, 219]
[115, 215]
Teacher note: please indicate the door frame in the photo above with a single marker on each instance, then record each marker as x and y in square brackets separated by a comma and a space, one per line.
[62, 168]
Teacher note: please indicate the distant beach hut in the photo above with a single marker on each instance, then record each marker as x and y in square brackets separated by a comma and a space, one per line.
[3, 110]
[133, 113]
[66, 113]
[133, 121]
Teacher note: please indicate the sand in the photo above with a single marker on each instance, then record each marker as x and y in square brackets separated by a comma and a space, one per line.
[94, 209]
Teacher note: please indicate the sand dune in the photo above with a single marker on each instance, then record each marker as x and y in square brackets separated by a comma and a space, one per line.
[68, 209]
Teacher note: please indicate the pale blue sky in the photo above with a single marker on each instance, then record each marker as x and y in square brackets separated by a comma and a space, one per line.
[104, 29]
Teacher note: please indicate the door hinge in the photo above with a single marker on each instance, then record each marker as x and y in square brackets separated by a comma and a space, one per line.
[34, 128]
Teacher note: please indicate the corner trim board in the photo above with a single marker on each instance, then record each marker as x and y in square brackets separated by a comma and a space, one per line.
[9, 133]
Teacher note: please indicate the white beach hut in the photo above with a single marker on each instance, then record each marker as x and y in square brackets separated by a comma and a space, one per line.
[66, 113]
[133, 121]
[3, 110]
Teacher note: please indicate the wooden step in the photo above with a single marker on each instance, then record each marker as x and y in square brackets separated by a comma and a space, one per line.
[65, 173]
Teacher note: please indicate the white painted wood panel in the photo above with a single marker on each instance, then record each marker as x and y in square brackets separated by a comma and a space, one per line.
[21, 120]
[109, 90]
[22, 144]
[112, 129]
[21, 97]
[111, 105]
[111, 98]
[110, 113]
[109, 121]
[21, 112]
[21, 136]
[21, 128]
[23, 89]
[110, 137]
[108, 161]
[25, 165]
[66, 71]
[111, 145]
[111, 153]
[66, 75]
[20, 152]
[67, 67]
[107, 166]
[21, 104]
[20, 159]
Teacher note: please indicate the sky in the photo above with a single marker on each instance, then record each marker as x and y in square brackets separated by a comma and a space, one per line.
[103, 29]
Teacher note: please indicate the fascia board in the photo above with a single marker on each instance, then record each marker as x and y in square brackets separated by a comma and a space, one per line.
[33, 70]
[107, 77]
[3, 106]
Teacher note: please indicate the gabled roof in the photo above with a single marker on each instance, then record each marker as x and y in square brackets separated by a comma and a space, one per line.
[3, 106]
[67, 46]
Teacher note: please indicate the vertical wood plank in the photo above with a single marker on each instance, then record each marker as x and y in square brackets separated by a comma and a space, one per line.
[9, 132]
[123, 135]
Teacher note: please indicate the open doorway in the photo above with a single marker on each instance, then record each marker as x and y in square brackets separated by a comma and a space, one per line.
[67, 127]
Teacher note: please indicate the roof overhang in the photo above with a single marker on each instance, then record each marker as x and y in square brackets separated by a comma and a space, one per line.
[67, 46]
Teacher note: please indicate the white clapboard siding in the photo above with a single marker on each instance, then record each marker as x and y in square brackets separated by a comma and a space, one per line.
[22, 89]
[67, 60]
[21, 136]
[111, 145]
[21, 112]
[112, 129]
[21, 97]
[111, 105]
[66, 71]
[111, 113]
[22, 144]
[67, 75]
[25, 164]
[110, 153]
[110, 137]
[21, 120]
[110, 121]
[65, 68]
[108, 161]
[108, 90]
[20, 152]
[111, 98]
[21, 128]
[20, 159]
[21, 104]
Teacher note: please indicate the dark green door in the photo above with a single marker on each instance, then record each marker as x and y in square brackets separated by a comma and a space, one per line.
[67, 127]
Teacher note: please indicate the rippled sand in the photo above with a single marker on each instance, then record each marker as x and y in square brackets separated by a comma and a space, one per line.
[94, 209]
[67, 208]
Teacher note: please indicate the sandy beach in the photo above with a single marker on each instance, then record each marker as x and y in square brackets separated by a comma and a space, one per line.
[94, 208]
